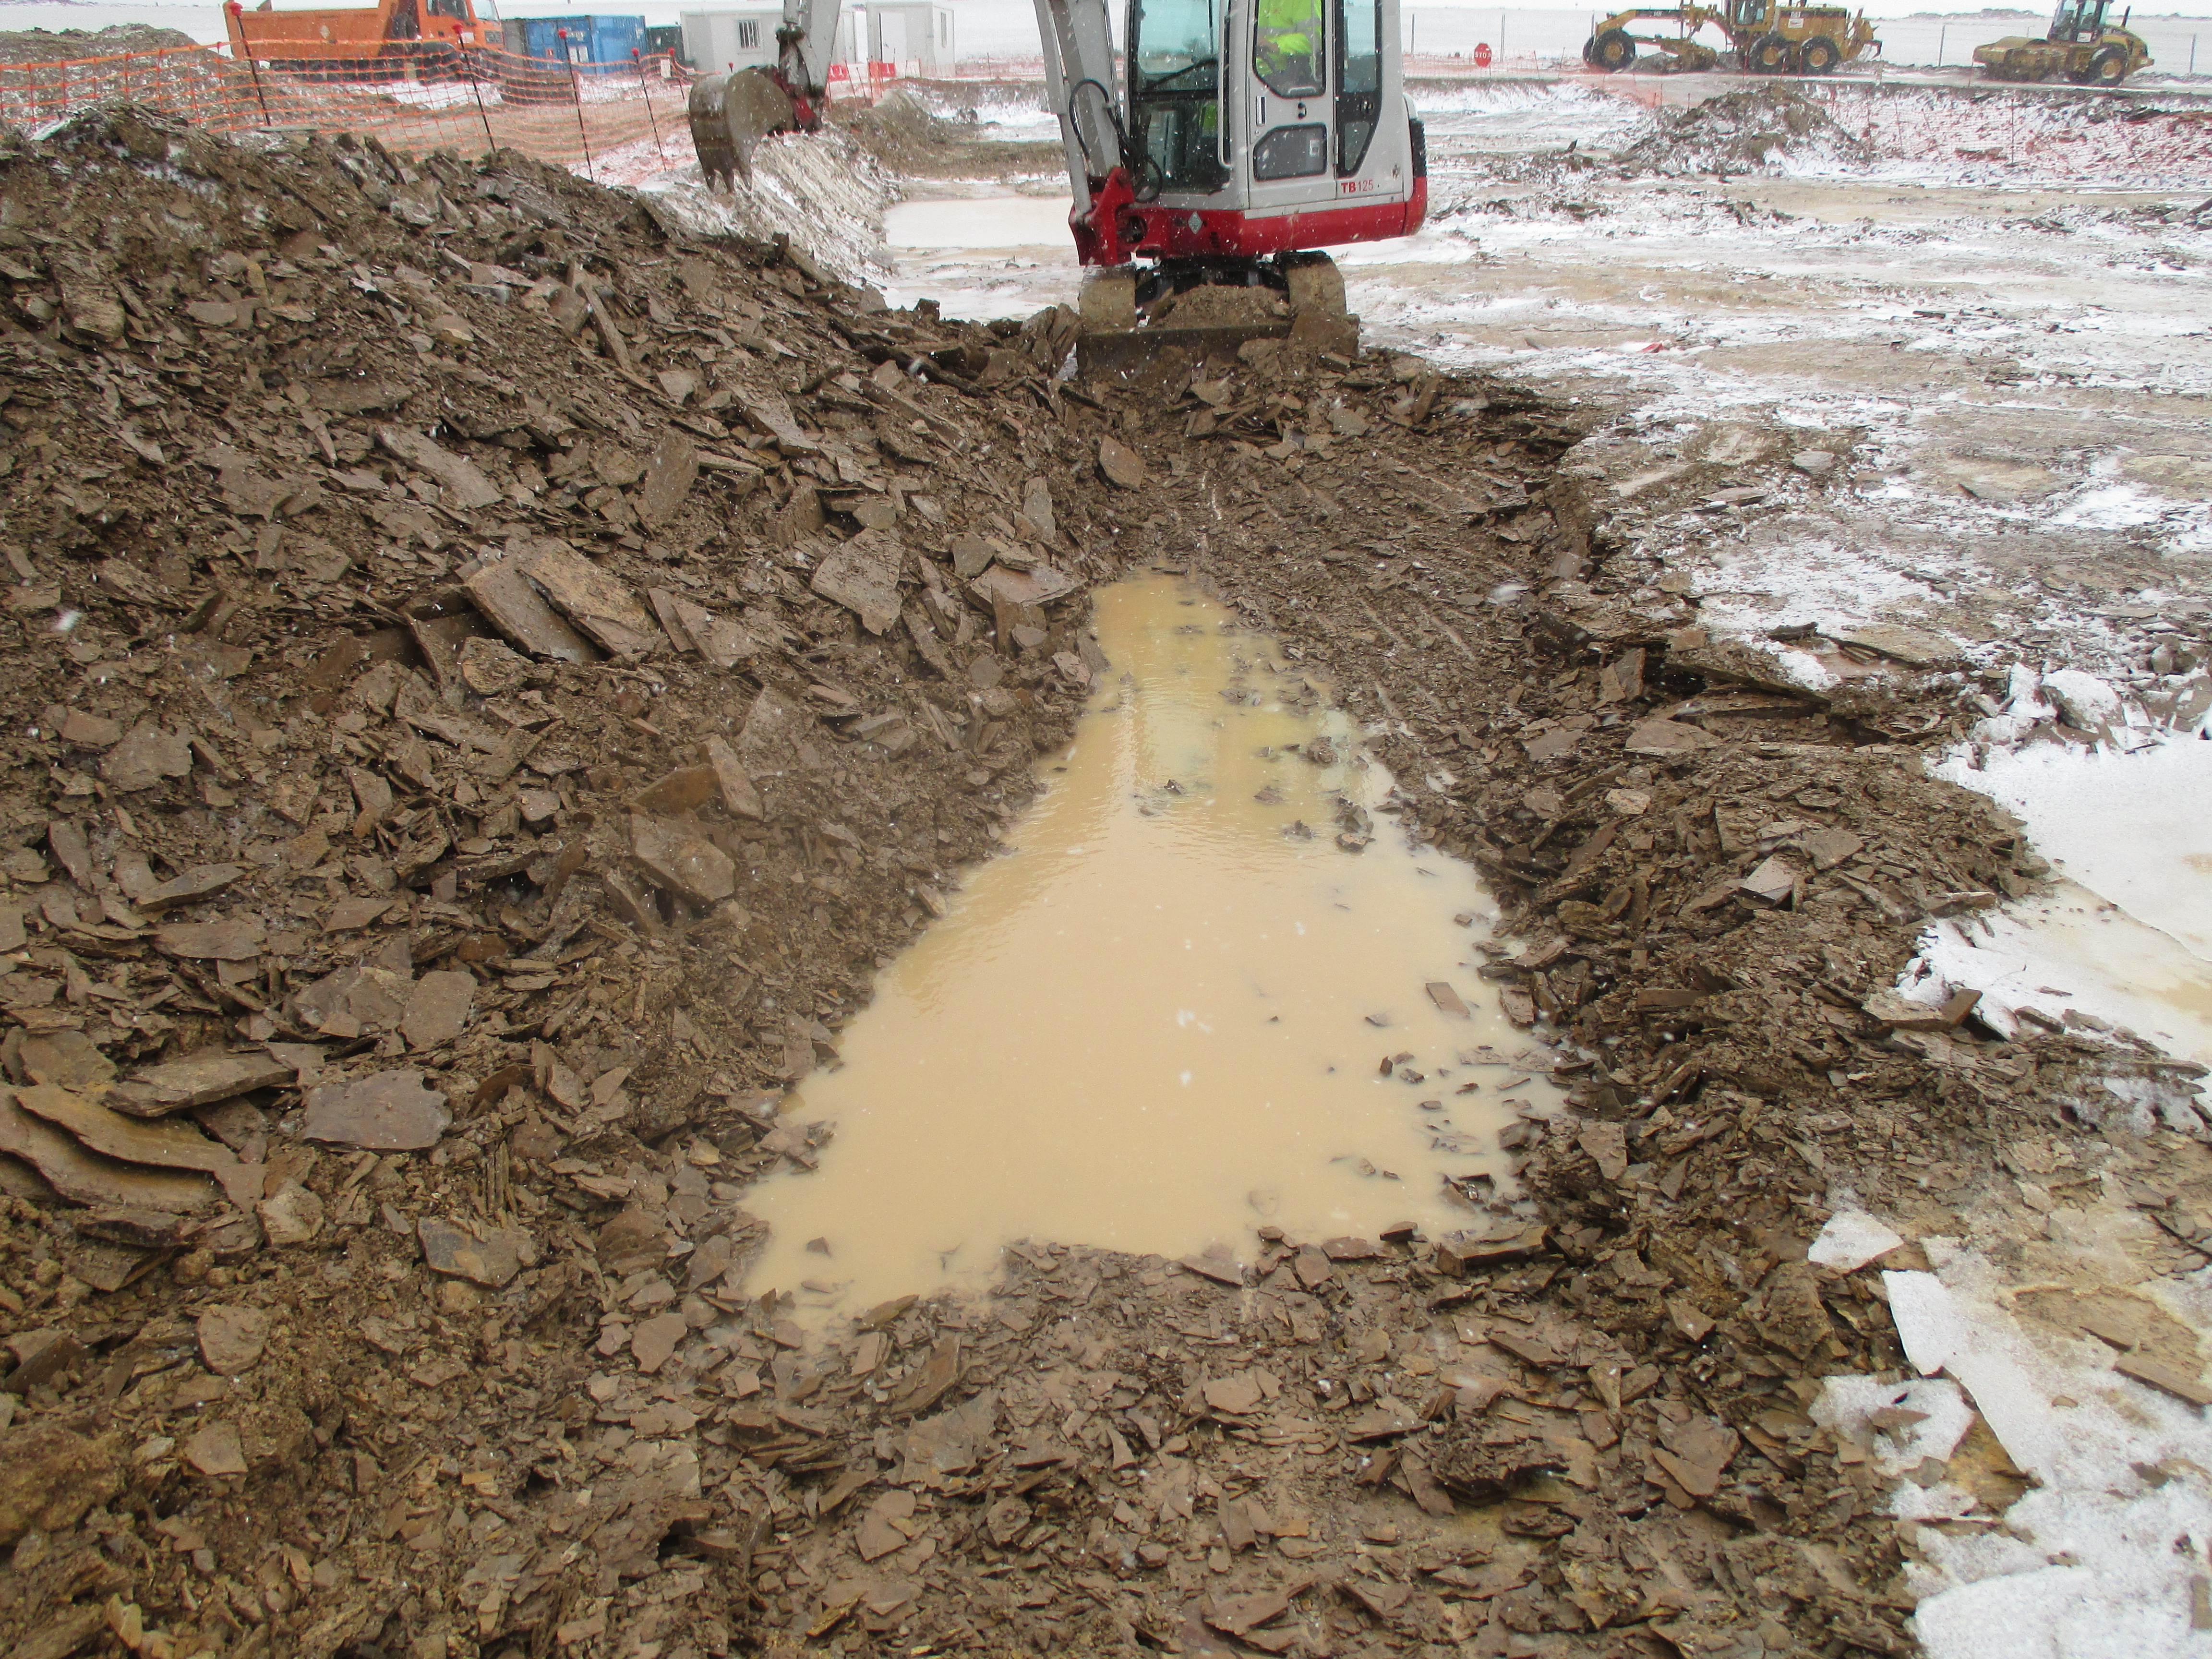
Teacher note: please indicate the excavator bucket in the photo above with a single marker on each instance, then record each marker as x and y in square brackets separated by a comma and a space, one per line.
[730, 115]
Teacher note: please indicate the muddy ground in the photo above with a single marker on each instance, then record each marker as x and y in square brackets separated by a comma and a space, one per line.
[493, 677]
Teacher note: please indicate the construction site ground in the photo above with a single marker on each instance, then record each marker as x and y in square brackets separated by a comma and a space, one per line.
[498, 668]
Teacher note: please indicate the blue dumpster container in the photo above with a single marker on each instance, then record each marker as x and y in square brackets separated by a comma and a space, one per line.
[593, 40]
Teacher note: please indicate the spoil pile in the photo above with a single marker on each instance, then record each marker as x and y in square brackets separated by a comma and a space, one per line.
[66, 46]
[1741, 133]
[489, 680]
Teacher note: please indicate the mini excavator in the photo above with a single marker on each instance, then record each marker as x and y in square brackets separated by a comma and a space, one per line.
[1249, 134]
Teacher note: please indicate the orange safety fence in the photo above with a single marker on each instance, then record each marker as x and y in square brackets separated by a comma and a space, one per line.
[416, 95]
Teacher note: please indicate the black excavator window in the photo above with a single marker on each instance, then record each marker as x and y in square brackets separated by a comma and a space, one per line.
[1291, 153]
[1174, 96]
[1358, 80]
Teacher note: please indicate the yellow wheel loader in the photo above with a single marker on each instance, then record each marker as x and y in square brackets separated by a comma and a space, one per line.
[2078, 44]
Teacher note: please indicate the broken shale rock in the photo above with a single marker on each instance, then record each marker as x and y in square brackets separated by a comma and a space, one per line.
[679, 857]
[198, 1079]
[390, 1111]
[862, 576]
[232, 1338]
[49, 1476]
[599, 604]
[490, 1257]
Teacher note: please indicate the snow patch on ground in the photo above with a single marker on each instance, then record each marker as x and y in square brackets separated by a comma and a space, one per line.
[1851, 1239]
[1817, 580]
[2099, 1561]
[2069, 951]
[1509, 117]
[1009, 114]
[2135, 828]
[2126, 938]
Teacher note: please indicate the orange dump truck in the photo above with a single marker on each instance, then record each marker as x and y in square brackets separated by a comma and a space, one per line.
[430, 34]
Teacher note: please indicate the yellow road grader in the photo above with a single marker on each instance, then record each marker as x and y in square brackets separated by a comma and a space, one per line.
[1765, 36]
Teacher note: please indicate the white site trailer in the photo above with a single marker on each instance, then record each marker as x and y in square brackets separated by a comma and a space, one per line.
[913, 36]
[717, 41]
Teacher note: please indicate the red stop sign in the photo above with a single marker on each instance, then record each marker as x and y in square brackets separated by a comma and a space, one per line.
[1482, 56]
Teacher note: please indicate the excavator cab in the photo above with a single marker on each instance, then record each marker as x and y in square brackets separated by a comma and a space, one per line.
[1251, 133]
[1174, 101]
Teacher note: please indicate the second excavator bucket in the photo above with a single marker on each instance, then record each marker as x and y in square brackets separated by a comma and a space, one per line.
[730, 115]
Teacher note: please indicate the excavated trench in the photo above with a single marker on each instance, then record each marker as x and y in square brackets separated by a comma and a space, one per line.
[1153, 1023]
[522, 906]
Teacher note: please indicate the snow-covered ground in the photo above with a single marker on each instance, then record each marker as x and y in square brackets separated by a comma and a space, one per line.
[2105, 1556]
[1997, 310]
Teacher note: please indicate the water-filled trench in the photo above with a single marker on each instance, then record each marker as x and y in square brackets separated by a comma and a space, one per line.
[1203, 992]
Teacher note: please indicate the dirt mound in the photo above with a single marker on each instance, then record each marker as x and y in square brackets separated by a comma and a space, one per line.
[1760, 127]
[63, 46]
[454, 618]
[906, 135]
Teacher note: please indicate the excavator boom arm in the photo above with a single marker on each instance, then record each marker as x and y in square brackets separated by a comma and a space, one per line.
[808, 43]
[1084, 86]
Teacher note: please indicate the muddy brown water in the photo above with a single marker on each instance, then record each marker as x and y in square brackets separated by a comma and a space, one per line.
[1158, 1021]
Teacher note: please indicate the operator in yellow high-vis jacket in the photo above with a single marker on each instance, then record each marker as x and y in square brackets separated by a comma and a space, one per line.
[1289, 47]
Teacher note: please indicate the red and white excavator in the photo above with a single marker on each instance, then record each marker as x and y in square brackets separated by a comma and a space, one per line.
[1248, 134]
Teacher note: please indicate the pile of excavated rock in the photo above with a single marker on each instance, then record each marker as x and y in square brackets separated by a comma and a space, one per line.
[493, 677]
